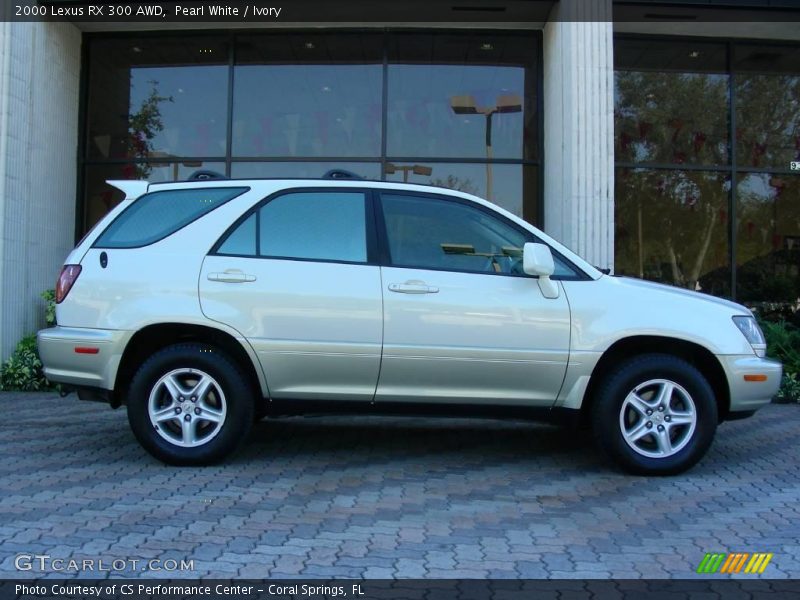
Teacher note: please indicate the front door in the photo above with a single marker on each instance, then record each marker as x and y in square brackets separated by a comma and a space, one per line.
[294, 279]
[462, 323]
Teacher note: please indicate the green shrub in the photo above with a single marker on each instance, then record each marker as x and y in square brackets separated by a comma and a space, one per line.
[22, 372]
[783, 344]
[49, 297]
[790, 389]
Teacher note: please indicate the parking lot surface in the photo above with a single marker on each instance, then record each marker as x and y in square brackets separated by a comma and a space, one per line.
[388, 497]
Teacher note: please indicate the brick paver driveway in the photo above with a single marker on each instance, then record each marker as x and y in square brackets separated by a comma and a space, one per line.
[401, 497]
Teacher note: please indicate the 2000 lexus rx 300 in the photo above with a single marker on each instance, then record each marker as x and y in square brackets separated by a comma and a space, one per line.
[204, 305]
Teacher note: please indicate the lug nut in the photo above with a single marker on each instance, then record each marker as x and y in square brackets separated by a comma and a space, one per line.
[661, 428]
[194, 398]
[667, 418]
[181, 398]
[197, 411]
[649, 424]
[177, 410]
[649, 411]
[187, 418]
[661, 408]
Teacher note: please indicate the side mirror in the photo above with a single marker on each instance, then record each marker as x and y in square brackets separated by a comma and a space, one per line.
[537, 259]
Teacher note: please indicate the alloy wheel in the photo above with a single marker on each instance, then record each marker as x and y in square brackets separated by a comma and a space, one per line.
[658, 418]
[187, 407]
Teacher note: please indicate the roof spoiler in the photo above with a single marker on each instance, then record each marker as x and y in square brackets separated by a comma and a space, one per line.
[132, 188]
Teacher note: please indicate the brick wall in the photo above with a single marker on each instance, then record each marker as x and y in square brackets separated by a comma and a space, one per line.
[39, 86]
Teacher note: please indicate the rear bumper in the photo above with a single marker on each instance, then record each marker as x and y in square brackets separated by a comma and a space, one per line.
[63, 364]
[749, 396]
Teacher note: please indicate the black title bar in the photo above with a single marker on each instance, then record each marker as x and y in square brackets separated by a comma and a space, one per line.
[535, 12]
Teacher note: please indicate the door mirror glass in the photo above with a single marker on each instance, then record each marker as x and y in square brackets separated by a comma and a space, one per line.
[537, 260]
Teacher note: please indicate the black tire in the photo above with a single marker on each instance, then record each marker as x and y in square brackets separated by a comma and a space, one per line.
[608, 405]
[237, 404]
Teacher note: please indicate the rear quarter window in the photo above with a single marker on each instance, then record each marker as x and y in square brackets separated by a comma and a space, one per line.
[157, 215]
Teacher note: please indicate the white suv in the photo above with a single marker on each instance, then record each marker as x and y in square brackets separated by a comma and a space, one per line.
[204, 305]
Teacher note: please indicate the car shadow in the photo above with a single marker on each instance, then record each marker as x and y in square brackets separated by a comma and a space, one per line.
[449, 440]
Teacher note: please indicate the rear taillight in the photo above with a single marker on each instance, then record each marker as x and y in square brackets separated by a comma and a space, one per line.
[67, 278]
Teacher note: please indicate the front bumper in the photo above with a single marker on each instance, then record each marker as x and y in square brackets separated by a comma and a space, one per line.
[748, 396]
[63, 364]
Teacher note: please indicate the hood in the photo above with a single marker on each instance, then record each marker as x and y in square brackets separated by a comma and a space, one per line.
[662, 288]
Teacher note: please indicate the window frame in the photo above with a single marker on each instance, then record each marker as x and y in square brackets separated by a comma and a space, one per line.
[385, 253]
[369, 224]
[243, 189]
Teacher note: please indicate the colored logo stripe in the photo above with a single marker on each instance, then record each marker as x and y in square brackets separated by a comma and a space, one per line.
[711, 563]
[734, 562]
[758, 563]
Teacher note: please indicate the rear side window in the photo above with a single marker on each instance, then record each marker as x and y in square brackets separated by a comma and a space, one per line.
[321, 226]
[157, 215]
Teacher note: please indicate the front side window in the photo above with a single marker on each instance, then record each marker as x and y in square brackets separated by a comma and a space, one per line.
[432, 233]
[157, 215]
[325, 226]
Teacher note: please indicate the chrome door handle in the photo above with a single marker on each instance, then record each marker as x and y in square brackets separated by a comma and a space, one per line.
[413, 287]
[231, 276]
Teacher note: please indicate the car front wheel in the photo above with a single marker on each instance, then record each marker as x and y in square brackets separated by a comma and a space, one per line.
[655, 414]
[189, 404]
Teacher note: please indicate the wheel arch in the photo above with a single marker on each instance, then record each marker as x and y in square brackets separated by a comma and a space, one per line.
[695, 354]
[152, 338]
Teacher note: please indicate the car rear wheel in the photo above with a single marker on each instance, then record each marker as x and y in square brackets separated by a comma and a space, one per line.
[189, 404]
[655, 414]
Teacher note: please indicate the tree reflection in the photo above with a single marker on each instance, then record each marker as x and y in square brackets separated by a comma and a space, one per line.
[143, 126]
[671, 226]
[671, 118]
[671, 223]
[768, 120]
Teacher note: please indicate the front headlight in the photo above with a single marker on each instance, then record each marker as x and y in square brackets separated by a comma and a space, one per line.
[752, 332]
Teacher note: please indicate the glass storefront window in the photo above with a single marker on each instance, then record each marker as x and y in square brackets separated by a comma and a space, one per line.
[308, 95]
[143, 98]
[313, 169]
[767, 84]
[672, 112]
[672, 227]
[300, 103]
[512, 184]
[768, 238]
[668, 108]
[443, 89]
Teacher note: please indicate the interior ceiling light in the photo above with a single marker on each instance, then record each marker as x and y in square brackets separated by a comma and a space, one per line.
[136, 49]
[309, 45]
[694, 54]
[487, 46]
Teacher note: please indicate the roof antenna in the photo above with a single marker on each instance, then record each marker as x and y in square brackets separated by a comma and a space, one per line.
[204, 175]
[341, 174]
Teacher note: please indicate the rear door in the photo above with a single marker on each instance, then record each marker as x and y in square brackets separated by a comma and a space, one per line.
[295, 277]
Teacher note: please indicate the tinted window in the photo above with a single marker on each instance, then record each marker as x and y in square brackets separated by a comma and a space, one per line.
[430, 233]
[155, 216]
[314, 225]
[242, 240]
